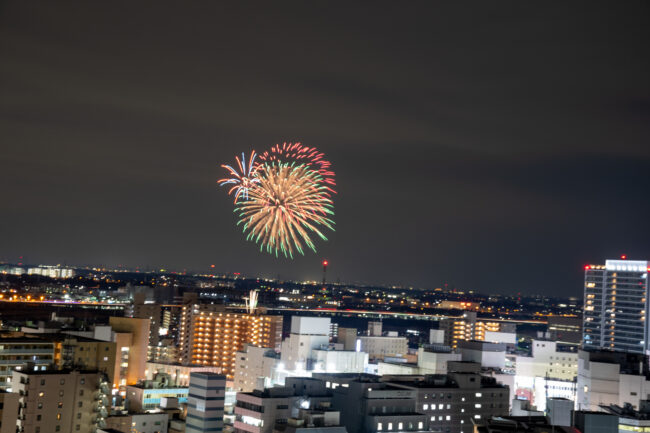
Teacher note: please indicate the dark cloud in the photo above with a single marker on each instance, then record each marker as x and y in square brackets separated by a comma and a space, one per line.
[492, 146]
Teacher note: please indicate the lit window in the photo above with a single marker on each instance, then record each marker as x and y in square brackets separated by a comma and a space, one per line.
[420, 425]
[379, 426]
[477, 416]
[478, 394]
[400, 426]
[448, 418]
[425, 407]
[390, 426]
[477, 405]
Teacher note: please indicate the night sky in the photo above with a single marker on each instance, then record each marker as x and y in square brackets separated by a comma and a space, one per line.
[491, 146]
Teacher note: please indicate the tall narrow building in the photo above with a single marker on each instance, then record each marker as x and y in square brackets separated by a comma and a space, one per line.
[205, 402]
[616, 306]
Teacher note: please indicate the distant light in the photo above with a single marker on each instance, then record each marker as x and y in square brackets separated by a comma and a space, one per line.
[623, 257]
[212, 266]
[325, 262]
[586, 267]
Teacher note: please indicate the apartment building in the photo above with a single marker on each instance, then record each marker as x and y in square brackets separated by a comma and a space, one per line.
[61, 400]
[15, 351]
[616, 306]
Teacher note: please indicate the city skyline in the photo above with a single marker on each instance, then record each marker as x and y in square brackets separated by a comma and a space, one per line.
[491, 149]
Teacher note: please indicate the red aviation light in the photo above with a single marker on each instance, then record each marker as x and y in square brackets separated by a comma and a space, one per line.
[623, 257]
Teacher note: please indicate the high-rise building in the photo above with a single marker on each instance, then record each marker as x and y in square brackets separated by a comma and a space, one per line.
[60, 400]
[205, 403]
[210, 336]
[616, 306]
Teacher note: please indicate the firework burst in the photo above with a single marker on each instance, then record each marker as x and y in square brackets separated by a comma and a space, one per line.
[243, 179]
[310, 156]
[287, 205]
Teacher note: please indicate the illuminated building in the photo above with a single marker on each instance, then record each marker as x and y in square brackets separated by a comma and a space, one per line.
[468, 327]
[51, 271]
[211, 336]
[616, 306]
[458, 305]
[131, 337]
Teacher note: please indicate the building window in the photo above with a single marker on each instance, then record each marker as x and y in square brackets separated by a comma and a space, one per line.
[379, 426]
[41, 394]
[420, 425]
[478, 394]
[81, 393]
[448, 418]
[477, 416]
[425, 407]
[61, 393]
[42, 382]
[79, 415]
[390, 426]
[60, 405]
[400, 426]
[82, 381]
[62, 382]
[38, 417]
[81, 403]
[58, 428]
[40, 405]
[477, 405]
[58, 416]
[78, 427]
